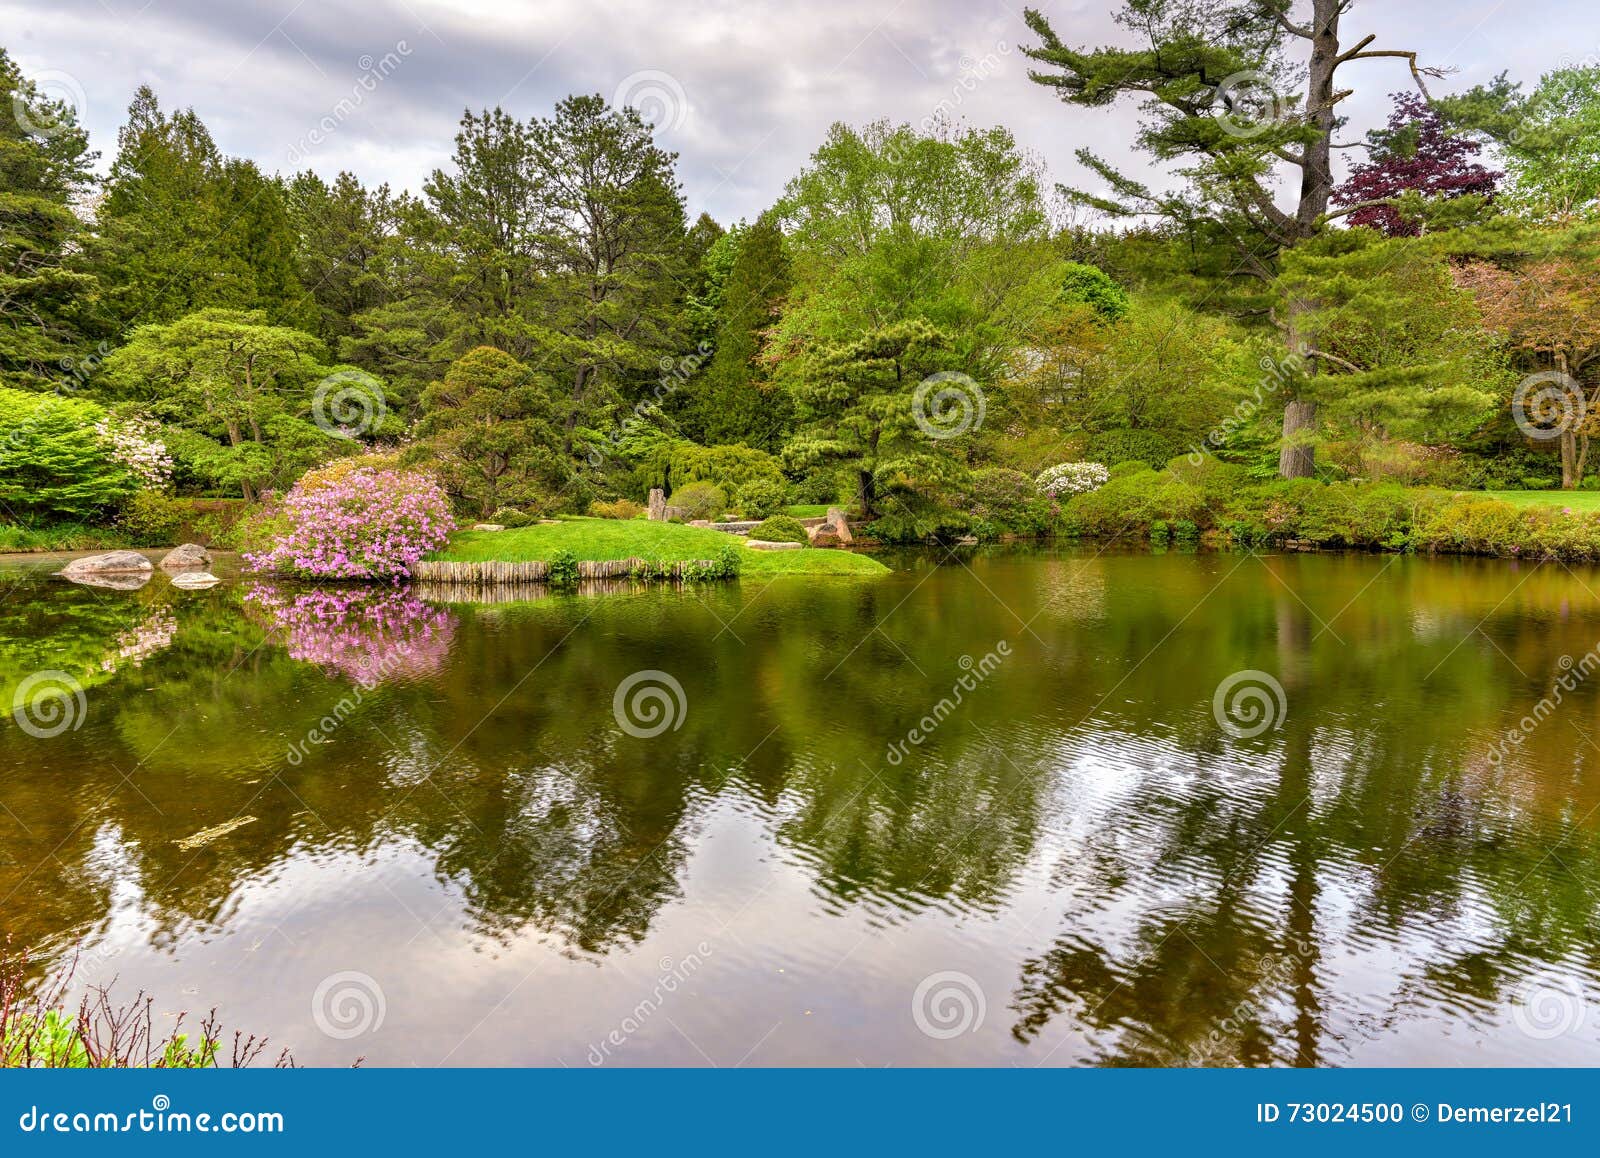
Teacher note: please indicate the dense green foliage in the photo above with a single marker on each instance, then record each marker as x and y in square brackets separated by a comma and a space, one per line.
[916, 328]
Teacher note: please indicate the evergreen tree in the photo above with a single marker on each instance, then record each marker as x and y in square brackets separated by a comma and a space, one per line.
[159, 248]
[1218, 82]
[612, 258]
[488, 430]
[734, 401]
[44, 167]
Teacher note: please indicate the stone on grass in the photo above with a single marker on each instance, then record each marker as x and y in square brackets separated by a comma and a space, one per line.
[487, 527]
[768, 545]
[187, 555]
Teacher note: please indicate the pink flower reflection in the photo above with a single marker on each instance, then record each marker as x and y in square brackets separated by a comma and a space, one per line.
[366, 634]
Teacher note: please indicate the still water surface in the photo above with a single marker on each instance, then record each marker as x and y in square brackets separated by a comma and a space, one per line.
[477, 864]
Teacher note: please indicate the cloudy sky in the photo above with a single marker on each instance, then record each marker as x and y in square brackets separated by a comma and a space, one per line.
[742, 91]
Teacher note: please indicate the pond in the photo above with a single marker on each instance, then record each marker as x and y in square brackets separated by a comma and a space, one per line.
[1019, 807]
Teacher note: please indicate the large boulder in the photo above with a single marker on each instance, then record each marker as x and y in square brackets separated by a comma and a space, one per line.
[187, 555]
[840, 526]
[658, 505]
[824, 536]
[111, 563]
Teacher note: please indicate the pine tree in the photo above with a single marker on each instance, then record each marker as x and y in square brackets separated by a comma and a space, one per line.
[159, 249]
[44, 167]
[735, 402]
[611, 256]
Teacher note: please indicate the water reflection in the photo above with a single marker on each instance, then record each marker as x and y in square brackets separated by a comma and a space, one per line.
[1128, 883]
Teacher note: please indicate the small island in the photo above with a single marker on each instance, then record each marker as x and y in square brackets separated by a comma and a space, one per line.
[612, 539]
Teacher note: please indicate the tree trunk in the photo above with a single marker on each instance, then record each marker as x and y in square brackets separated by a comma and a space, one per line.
[866, 493]
[1316, 174]
[1297, 459]
[1569, 460]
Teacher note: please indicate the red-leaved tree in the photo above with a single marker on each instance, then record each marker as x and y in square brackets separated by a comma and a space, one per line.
[1417, 153]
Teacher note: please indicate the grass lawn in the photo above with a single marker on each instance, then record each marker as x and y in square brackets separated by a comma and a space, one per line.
[1581, 502]
[627, 538]
[807, 511]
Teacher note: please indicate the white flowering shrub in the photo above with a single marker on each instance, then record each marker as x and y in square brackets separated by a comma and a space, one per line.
[136, 444]
[1072, 478]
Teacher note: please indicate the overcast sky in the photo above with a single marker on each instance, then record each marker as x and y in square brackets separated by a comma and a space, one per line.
[742, 91]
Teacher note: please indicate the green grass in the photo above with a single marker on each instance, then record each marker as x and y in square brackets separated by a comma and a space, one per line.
[1581, 502]
[807, 511]
[596, 539]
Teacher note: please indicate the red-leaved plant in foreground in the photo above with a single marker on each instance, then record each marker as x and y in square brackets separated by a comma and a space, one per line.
[368, 524]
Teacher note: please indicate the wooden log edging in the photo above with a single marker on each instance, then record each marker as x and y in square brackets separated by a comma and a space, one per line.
[533, 571]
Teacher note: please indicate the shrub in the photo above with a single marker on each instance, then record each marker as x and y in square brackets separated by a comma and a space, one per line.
[370, 524]
[1535, 482]
[1072, 478]
[341, 468]
[1005, 501]
[55, 464]
[136, 443]
[761, 497]
[780, 529]
[1113, 446]
[563, 569]
[700, 500]
[511, 517]
[619, 509]
[151, 519]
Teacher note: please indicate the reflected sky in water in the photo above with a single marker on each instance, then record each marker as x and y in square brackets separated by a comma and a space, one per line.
[1075, 864]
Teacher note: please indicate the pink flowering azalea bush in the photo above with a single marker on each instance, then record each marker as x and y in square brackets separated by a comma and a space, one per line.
[367, 524]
